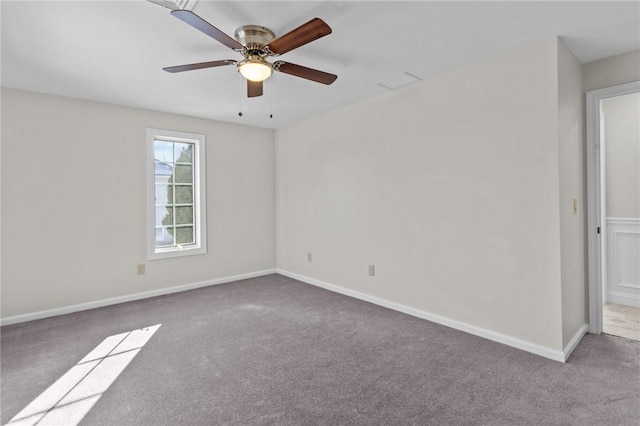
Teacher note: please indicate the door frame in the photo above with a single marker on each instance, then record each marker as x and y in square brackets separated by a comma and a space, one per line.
[594, 197]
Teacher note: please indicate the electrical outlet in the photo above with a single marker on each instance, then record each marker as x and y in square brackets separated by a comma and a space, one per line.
[372, 270]
[141, 269]
[309, 257]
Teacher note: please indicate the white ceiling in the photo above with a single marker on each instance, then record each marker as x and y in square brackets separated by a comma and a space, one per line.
[114, 51]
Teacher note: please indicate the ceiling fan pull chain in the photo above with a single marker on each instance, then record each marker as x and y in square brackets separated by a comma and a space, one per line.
[240, 94]
[271, 95]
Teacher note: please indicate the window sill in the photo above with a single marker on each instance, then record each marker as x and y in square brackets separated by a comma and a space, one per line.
[171, 253]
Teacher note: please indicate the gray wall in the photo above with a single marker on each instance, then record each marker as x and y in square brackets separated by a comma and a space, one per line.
[622, 155]
[612, 71]
[572, 187]
[74, 205]
[453, 189]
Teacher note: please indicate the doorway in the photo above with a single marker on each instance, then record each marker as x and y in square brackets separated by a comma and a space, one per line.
[613, 202]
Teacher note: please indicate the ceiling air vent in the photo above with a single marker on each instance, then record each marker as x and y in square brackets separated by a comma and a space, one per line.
[398, 80]
[175, 4]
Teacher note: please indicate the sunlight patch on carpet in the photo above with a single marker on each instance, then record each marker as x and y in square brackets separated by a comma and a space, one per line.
[71, 397]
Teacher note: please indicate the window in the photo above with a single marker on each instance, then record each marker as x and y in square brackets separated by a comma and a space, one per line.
[176, 194]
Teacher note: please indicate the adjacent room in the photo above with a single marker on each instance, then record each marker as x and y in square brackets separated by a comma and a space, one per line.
[620, 136]
[319, 212]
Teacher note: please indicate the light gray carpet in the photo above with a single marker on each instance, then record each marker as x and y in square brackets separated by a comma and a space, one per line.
[272, 350]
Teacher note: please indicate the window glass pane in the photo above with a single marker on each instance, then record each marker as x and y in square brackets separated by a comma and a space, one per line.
[183, 152]
[184, 235]
[163, 171]
[164, 236]
[164, 193]
[184, 215]
[164, 215]
[161, 215]
[184, 194]
[163, 151]
[183, 174]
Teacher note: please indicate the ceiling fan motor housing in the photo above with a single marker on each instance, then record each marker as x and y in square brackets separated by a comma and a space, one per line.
[254, 38]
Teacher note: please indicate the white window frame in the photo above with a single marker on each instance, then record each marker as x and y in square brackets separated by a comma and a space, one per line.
[199, 195]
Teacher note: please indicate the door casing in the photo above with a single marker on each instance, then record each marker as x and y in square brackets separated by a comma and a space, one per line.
[594, 197]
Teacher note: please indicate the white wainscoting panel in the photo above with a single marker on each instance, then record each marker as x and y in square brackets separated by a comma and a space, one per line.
[623, 261]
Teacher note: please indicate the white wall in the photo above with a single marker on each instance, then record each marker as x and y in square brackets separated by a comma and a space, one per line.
[451, 187]
[622, 155]
[74, 206]
[622, 159]
[572, 186]
[612, 71]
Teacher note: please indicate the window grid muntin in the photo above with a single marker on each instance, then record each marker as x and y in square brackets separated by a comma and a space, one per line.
[174, 226]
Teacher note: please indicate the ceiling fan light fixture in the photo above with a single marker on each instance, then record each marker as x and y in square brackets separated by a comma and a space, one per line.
[255, 69]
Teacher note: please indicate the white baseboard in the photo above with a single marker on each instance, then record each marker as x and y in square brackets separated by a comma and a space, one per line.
[128, 298]
[623, 299]
[574, 341]
[533, 348]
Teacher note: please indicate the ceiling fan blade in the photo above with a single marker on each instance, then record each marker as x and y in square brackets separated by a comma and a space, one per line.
[199, 65]
[254, 88]
[200, 24]
[304, 72]
[305, 33]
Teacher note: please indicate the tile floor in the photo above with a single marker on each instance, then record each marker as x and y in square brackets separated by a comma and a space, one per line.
[620, 320]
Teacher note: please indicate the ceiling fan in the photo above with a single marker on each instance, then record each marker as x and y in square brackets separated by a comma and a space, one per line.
[256, 43]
